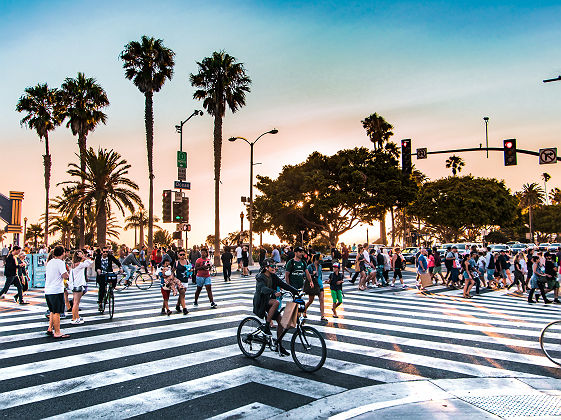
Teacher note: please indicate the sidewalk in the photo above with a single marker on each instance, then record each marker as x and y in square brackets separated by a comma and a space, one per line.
[470, 398]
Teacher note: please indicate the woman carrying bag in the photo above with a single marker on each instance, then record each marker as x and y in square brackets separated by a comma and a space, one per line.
[77, 283]
[316, 287]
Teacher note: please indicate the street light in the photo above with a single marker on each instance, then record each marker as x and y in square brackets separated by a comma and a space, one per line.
[24, 229]
[251, 144]
[552, 80]
[179, 128]
[486, 119]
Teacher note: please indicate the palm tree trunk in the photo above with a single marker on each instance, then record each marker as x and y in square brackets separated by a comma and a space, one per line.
[81, 221]
[141, 232]
[149, 122]
[383, 229]
[217, 163]
[47, 163]
[530, 220]
[393, 225]
[101, 224]
[135, 238]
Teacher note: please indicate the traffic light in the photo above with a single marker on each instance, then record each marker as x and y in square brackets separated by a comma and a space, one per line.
[406, 156]
[176, 235]
[166, 206]
[185, 210]
[510, 152]
[177, 217]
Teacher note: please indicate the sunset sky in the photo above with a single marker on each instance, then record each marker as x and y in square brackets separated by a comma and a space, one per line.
[432, 69]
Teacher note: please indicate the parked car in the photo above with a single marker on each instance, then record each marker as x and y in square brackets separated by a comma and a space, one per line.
[543, 246]
[499, 247]
[554, 247]
[518, 247]
[409, 254]
[327, 261]
[352, 259]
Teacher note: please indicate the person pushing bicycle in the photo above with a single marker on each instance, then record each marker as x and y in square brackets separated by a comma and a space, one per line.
[265, 302]
[103, 265]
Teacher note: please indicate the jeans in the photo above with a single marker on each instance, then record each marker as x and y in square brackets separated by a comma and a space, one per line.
[129, 271]
[101, 281]
[227, 271]
[454, 273]
[15, 281]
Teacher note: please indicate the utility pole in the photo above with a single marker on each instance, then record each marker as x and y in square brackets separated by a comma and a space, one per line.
[486, 119]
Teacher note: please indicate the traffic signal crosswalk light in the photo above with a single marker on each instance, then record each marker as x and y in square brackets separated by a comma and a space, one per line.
[166, 206]
[185, 210]
[177, 217]
[510, 152]
[406, 156]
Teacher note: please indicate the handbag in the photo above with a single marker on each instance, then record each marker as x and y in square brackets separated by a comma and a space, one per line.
[426, 279]
[289, 316]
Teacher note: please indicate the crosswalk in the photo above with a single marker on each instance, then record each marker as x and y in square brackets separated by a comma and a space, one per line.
[142, 363]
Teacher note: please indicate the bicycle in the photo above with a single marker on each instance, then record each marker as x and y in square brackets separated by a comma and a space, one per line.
[307, 345]
[143, 281]
[109, 298]
[550, 341]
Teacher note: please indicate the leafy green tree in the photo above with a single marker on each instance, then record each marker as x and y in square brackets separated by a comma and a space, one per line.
[34, 231]
[456, 163]
[84, 100]
[63, 223]
[44, 112]
[547, 219]
[105, 184]
[163, 238]
[221, 83]
[326, 196]
[453, 205]
[530, 196]
[546, 177]
[555, 196]
[139, 220]
[148, 64]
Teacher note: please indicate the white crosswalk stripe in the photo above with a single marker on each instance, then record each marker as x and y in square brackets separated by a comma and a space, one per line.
[142, 362]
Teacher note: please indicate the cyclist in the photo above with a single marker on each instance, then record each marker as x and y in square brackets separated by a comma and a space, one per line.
[103, 265]
[265, 302]
[129, 264]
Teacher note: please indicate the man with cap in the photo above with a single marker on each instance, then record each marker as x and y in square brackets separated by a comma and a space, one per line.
[296, 270]
[130, 264]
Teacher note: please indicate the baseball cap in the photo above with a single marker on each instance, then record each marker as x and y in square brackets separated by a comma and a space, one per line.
[135, 251]
[298, 249]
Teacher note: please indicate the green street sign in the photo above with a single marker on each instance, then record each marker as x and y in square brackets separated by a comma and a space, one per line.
[181, 159]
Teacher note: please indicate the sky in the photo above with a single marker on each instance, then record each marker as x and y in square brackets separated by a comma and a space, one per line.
[431, 69]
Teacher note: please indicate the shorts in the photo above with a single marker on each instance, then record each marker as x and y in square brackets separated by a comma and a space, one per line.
[437, 270]
[431, 270]
[165, 293]
[80, 289]
[552, 284]
[397, 273]
[239, 260]
[245, 263]
[55, 303]
[203, 281]
[337, 296]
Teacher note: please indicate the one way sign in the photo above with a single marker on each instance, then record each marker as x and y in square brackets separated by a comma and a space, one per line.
[548, 156]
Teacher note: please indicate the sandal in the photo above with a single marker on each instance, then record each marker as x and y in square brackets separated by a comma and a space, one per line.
[60, 337]
[324, 318]
[49, 333]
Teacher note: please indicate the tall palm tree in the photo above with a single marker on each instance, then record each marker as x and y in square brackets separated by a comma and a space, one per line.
[456, 163]
[105, 185]
[64, 224]
[44, 113]
[139, 220]
[148, 64]
[555, 196]
[35, 231]
[530, 196]
[378, 130]
[221, 83]
[546, 177]
[84, 100]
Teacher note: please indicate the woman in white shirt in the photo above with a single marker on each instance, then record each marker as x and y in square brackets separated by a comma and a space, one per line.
[77, 283]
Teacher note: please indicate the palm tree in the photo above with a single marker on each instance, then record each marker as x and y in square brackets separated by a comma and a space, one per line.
[221, 83]
[555, 196]
[531, 196]
[104, 185]
[456, 163]
[84, 100]
[148, 64]
[378, 130]
[64, 224]
[44, 114]
[546, 177]
[35, 231]
[139, 220]
[163, 238]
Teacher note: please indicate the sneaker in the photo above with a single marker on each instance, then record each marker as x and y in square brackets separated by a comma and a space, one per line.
[556, 300]
[213, 305]
[195, 304]
[178, 308]
[403, 286]
[393, 284]
[24, 303]
[283, 352]
[185, 311]
[99, 307]
[47, 314]
[63, 315]
[16, 299]
[77, 321]
[163, 311]
[266, 329]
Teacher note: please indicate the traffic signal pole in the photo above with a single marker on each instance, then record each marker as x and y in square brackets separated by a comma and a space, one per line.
[482, 149]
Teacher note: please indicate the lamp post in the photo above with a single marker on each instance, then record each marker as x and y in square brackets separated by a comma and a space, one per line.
[24, 229]
[251, 144]
[486, 119]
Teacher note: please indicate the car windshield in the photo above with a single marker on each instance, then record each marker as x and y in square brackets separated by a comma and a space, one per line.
[409, 250]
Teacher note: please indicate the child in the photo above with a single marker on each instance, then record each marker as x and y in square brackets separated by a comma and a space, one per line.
[336, 286]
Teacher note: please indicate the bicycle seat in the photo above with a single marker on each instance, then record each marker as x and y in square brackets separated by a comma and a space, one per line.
[299, 301]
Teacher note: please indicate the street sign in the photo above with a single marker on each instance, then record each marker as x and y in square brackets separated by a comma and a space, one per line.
[182, 174]
[178, 196]
[181, 159]
[182, 185]
[185, 227]
[548, 156]
[422, 153]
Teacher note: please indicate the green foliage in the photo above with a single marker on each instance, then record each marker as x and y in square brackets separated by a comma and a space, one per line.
[456, 204]
[326, 196]
[496, 237]
[547, 219]
[163, 238]
[456, 163]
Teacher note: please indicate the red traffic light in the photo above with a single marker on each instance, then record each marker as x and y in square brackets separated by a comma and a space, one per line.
[508, 145]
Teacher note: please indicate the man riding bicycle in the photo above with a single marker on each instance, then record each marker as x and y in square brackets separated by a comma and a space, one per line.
[130, 264]
[265, 302]
[103, 265]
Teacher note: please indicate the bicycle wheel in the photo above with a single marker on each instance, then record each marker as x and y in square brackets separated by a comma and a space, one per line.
[111, 303]
[143, 281]
[250, 339]
[120, 285]
[308, 348]
[550, 341]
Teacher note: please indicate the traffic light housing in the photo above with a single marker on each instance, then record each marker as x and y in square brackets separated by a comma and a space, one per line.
[510, 152]
[166, 206]
[177, 217]
[406, 156]
[185, 210]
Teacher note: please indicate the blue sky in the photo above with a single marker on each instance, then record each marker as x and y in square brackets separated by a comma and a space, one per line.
[432, 69]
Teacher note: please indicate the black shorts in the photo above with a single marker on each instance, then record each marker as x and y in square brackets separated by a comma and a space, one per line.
[397, 273]
[55, 303]
[246, 263]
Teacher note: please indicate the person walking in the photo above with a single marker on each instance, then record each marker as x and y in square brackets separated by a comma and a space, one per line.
[245, 261]
[77, 283]
[344, 259]
[103, 265]
[422, 267]
[183, 270]
[55, 273]
[5, 252]
[202, 268]
[296, 271]
[11, 267]
[275, 255]
[239, 257]
[317, 289]
[538, 280]
[397, 266]
[226, 259]
[194, 255]
[336, 288]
